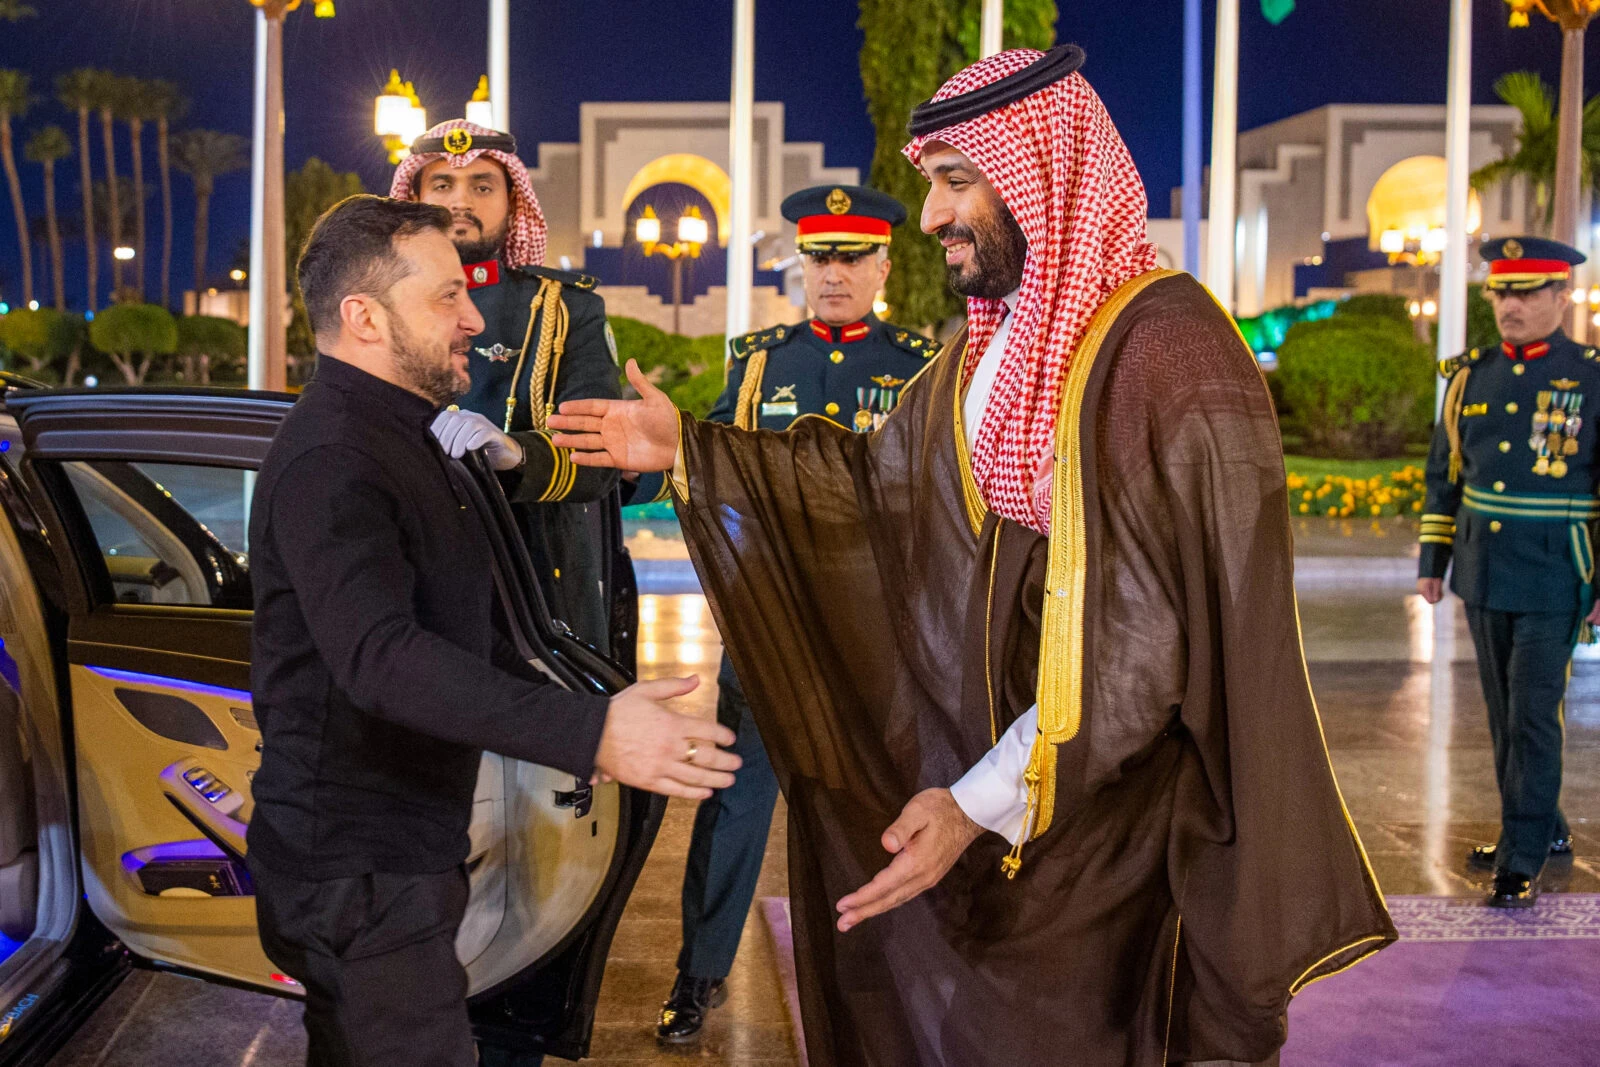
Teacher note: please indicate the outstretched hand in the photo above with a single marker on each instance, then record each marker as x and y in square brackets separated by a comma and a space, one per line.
[632, 435]
[929, 836]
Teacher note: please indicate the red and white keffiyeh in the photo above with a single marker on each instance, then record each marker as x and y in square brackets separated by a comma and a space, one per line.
[1062, 169]
[525, 229]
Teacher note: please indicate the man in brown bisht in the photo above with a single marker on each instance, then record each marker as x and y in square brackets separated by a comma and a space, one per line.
[1070, 621]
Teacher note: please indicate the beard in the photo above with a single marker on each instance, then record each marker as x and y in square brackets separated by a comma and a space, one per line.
[425, 369]
[999, 252]
[484, 248]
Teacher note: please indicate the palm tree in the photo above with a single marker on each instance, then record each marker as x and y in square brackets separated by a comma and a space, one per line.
[45, 148]
[14, 101]
[136, 107]
[1534, 157]
[108, 102]
[78, 91]
[205, 155]
[166, 104]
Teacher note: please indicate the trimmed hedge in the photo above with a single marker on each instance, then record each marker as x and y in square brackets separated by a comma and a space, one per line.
[1359, 385]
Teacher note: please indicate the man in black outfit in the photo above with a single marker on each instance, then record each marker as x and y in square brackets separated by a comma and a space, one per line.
[379, 674]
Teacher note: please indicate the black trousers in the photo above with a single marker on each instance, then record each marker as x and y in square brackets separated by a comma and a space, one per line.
[1523, 661]
[376, 954]
[728, 844]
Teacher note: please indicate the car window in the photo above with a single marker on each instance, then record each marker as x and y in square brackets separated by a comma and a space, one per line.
[169, 533]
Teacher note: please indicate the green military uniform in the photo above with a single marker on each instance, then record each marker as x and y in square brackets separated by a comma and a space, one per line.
[545, 341]
[1511, 502]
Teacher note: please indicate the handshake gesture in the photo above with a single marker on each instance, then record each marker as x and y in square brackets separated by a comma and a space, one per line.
[631, 435]
[647, 745]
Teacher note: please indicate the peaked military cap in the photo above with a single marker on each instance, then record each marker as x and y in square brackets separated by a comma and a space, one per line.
[842, 218]
[1523, 264]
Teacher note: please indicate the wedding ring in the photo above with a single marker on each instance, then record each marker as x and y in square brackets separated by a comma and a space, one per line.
[694, 750]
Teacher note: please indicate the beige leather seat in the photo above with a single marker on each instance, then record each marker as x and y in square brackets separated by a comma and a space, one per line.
[19, 855]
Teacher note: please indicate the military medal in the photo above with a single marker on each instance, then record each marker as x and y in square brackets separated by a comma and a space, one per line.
[497, 353]
[863, 420]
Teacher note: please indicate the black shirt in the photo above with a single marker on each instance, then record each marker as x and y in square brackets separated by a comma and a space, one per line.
[379, 675]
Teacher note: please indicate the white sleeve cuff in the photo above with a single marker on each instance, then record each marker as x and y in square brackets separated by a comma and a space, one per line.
[993, 793]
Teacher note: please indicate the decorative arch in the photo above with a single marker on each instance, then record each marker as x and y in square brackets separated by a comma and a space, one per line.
[698, 173]
[1410, 196]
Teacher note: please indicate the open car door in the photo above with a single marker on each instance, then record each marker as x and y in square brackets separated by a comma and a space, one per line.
[150, 495]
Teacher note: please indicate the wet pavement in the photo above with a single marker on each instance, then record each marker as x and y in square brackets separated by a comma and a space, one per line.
[1397, 687]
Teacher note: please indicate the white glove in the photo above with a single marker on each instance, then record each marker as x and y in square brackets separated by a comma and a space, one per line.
[460, 432]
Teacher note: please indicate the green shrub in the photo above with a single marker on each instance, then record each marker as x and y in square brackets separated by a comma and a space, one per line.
[1391, 306]
[688, 369]
[39, 343]
[210, 348]
[1359, 385]
[133, 335]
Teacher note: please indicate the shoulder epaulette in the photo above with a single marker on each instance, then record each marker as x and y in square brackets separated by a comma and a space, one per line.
[565, 277]
[911, 341]
[1448, 367]
[751, 342]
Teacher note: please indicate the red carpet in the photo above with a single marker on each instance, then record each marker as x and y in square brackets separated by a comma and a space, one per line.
[1465, 986]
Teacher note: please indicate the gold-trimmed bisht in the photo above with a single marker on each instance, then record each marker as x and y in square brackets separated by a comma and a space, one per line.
[1061, 633]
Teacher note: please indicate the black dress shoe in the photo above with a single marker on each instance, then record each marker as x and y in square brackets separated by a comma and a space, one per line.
[1482, 856]
[1512, 890]
[684, 1013]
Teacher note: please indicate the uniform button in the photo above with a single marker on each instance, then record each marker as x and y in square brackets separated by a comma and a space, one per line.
[836, 355]
[1499, 487]
[1494, 527]
[832, 408]
[1505, 446]
[1511, 408]
[1518, 369]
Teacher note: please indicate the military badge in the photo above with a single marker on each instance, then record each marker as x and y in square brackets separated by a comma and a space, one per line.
[611, 345]
[1564, 383]
[889, 381]
[1512, 249]
[480, 274]
[458, 142]
[497, 353]
[838, 202]
[784, 392]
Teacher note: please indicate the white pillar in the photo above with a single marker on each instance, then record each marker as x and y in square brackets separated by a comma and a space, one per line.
[500, 63]
[989, 38]
[1224, 155]
[1192, 174]
[741, 159]
[267, 364]
[1457, 142]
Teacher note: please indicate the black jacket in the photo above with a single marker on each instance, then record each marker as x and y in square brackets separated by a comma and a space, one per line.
[375, 631]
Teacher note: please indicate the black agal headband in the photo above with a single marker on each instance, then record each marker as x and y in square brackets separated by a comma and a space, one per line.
[932, 115]
[459, 142]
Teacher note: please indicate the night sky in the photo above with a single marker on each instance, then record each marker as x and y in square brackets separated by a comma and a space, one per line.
[565, 52]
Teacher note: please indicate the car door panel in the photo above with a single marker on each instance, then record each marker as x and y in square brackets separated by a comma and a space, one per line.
[168, 743]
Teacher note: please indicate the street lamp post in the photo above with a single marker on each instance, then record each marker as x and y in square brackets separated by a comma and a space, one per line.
[268, 341]
[398, 117]
[693, 233]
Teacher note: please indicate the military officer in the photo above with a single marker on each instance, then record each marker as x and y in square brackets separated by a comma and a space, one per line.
[1511, 497]
[843, 364]
[545, 340]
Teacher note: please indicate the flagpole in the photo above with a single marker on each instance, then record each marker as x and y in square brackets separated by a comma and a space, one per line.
[500, 63]
[1192, 175]
[1224, 155]
[266, 362]
[993, 26]
[741, 161]
[1457, 141]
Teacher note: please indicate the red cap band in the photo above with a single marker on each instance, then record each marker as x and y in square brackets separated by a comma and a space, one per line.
[1557, 267]
[862, 227]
